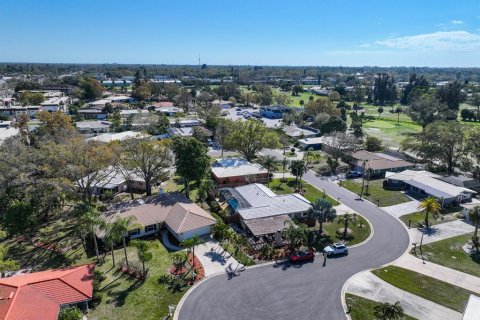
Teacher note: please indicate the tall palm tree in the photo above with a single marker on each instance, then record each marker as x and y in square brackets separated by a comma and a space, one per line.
[284, 167]
[295, 235]
[91, 220]
[298, 168]
[269, 163]
[346, 219]
[118, 229]
[388, 311]
[474, 216]
[143, 251]
[322, 211]
[429, 206]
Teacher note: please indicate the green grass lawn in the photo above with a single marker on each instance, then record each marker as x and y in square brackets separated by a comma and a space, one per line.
[123, 297]
[360, 230]
[311, 193]
[175, 183]
[128, 298]
[362, 309]
[437, 291]
[377, 192]
[390, 132]
[449, 253]
[419, 217]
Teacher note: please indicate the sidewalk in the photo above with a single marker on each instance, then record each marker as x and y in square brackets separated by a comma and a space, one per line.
[369, 286]
[440, 231]
[214, 258]
[439, 272]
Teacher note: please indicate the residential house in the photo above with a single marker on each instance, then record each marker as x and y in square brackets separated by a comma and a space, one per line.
[378, 163]
[120, 99]
[119, 136]
[311, 143]
[92, 114]
[178, 214]
[462, 181]
[89, 127]
[232, 172]
[274, 112]
[55, 104]
[423, 184]
[41, 295]
[297, 132]
[114, 181]
[16, 111]
[256, 205]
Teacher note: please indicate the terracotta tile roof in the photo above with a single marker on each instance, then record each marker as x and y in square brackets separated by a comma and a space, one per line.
[188, 216]
[25, 297]
[173, 208]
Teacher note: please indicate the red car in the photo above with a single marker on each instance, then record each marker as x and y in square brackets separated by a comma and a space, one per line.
[301, 256]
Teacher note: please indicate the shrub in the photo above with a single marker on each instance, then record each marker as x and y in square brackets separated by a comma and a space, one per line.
[214, 206]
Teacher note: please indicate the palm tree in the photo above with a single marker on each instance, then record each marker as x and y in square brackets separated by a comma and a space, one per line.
[346, 219]
[220, 230]
[322, 211]
[118, 228]
[269, 163]
[307, 155]
[295, 235]
[143, 251]
[474, 216]
[284, 167]
[429, 206]
[387, 311]
[298, 168]
[190, 244]
[91, 220]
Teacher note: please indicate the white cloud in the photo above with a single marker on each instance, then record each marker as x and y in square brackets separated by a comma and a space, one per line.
[441, 40]
[456, 22]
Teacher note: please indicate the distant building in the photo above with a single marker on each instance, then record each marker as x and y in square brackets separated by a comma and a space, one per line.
[89, 127]
[234, 172]
[92, 114]
[295, 131]
[311, 143]
[55, 104]
[274, 112]
[223, 104]
[120, 136]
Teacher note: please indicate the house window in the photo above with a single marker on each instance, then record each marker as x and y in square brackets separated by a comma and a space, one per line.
[133, 232]
[150, 228]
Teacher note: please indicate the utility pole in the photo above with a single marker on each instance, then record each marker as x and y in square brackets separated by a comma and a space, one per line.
[364, 167]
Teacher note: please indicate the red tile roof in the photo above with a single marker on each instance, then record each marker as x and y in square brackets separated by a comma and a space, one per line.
[25, 297]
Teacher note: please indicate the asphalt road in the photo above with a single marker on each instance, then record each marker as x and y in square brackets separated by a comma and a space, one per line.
[308, 291]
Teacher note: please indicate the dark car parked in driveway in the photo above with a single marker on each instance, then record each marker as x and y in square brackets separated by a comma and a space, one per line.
[353, 174]
[301, 256]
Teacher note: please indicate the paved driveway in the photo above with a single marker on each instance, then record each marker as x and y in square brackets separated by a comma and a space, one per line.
[401, 209]
[307, 291]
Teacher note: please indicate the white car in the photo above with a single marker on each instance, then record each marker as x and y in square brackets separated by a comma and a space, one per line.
[335, 249]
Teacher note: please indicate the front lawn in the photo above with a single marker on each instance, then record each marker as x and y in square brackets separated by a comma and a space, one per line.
[418, 218]
[311, 193]
[449, 253]
[127, 298]
[377, 192]
[360, 231]
[437, 291]
[362, 308]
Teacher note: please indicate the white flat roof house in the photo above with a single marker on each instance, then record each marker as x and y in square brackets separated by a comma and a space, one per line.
[425, 184]
[256, 201]
[120, 136]
[55, 104]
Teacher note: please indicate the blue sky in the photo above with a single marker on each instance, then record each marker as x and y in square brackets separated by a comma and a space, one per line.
[254, 32]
